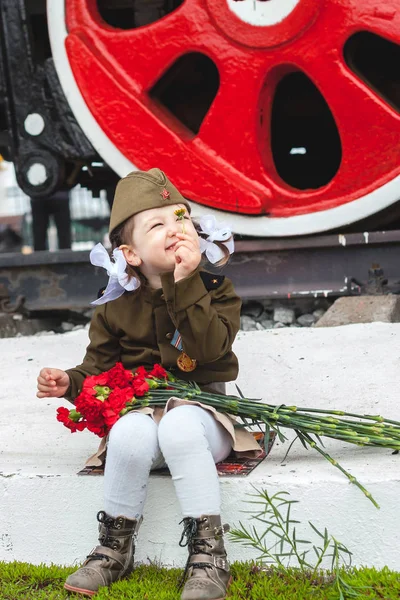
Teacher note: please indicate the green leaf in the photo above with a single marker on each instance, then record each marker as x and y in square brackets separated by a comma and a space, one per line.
[316, 530]
[239, 390]
[317, 551]
[289, 449]
[301, 438]
[266, 438]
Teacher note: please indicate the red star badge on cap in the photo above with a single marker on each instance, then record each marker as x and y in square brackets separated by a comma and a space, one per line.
[165, 194]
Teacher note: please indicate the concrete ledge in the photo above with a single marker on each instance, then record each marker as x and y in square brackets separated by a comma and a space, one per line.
[48, 512]
[362, 309]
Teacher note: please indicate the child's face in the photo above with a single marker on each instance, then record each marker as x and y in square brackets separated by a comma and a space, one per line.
[154, 239]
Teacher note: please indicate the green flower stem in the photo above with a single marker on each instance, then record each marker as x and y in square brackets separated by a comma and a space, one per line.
[180, 213]
[377, 418]
[253, 404]
[368, 430]
[333, 462]
[361, 430]
[349, 431]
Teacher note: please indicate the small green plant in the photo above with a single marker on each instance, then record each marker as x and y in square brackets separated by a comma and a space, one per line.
[22, 581]
[279, 543]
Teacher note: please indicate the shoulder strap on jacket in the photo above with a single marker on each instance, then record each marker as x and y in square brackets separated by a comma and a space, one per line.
[211, 281]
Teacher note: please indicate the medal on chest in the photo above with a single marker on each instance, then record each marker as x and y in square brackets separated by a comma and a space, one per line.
[184, 362]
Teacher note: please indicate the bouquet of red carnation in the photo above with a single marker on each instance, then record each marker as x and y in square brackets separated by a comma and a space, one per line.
[107, 397]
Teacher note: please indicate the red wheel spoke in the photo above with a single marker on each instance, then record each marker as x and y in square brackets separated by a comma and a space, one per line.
[231, 126]
[368, 127]
[389, 30]
[381, 17]
[134, 128]
[345, 17]
[140, 56]
[134, 58]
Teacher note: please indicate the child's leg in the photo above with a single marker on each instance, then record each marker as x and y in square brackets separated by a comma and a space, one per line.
[132, 448]
[192, 442]
[131, 451]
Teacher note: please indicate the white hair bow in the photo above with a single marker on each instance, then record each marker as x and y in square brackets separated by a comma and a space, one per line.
[119, 280]
[220, 232]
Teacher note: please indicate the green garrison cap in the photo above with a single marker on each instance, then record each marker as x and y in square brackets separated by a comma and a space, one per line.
[141, 190]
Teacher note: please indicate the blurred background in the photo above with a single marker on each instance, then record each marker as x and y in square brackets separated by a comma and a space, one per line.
[72, 219]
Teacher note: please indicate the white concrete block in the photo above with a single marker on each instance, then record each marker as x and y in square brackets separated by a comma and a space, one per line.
[48, 512]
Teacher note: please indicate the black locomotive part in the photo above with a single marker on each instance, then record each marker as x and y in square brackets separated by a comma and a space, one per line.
[38, 131]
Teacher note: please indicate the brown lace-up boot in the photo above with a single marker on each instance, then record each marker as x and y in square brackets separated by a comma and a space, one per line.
[110, 561]
[207, 568]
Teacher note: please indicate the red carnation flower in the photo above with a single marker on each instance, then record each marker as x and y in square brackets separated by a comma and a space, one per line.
[118, 376]
[141, 372]
[63, 417]
[118, 399]
[111, 416]
[62, 414]
[159, 372]
[89, 406]
[140, 386]
[104, 397]
[97, 427]
[92, 380]
[80, 426]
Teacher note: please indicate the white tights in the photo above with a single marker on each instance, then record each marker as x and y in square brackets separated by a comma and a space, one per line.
[191, 442]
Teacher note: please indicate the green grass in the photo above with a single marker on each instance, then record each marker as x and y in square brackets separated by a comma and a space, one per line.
[22, 581]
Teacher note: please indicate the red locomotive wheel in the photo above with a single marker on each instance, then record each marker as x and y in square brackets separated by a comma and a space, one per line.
[123, 87]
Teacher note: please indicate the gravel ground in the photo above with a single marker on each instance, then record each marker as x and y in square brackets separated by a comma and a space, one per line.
[256, 315]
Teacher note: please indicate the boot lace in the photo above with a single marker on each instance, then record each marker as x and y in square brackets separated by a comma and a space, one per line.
[108, 522]
[195, 545]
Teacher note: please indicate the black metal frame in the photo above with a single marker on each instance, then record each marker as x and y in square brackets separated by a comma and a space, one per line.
[331, 265]
[29, 85]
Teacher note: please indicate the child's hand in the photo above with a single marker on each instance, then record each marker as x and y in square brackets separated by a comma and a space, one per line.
[52, 383]
[187, 255]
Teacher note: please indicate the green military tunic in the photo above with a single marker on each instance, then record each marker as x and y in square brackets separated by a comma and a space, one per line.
[137, 329]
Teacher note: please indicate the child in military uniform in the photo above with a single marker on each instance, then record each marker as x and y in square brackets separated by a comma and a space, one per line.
[160, 306]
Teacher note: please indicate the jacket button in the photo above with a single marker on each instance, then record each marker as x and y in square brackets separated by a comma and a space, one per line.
[169, 336]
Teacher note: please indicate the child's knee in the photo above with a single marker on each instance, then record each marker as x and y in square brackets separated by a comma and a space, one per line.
[181, 429]
[134, 434]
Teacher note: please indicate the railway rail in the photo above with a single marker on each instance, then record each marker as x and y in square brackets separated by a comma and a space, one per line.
[324, 265]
